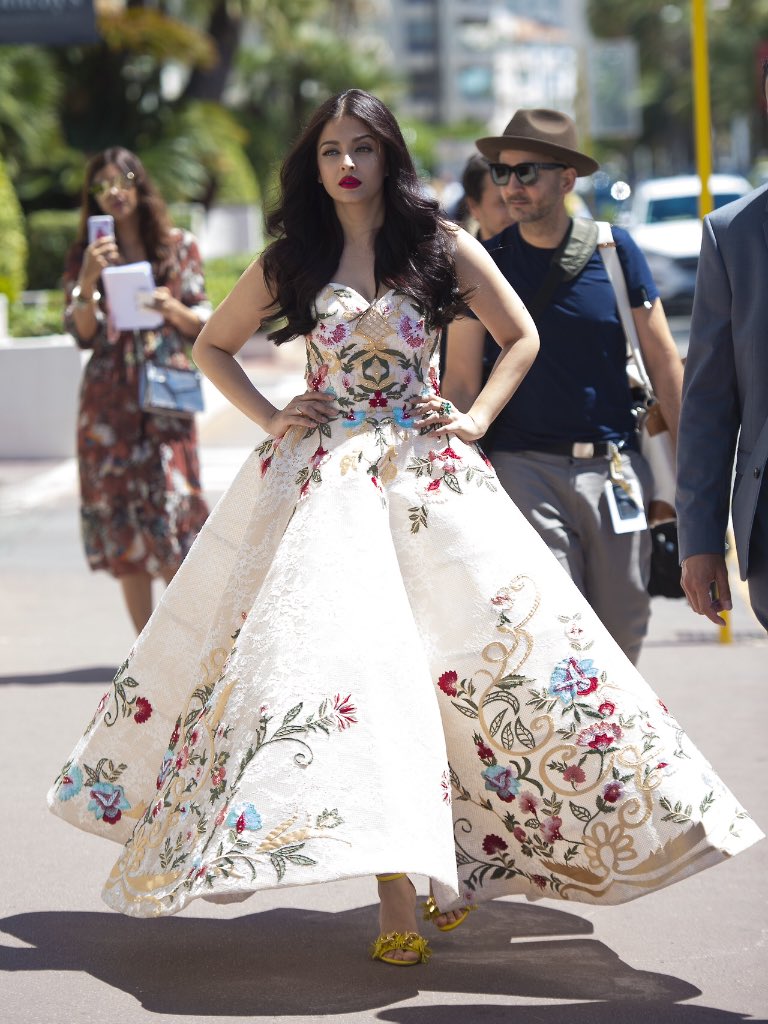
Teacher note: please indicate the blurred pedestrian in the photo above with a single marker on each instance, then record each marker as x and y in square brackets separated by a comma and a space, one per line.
[141, 500]
[568, 433]
[483, 200]
[725, 410]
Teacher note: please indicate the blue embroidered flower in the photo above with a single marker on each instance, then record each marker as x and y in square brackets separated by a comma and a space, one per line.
[108, 802]
[353, 419]
[572, 679]
[502, 781]
[242, 817]
[71, 783]
[402, 419]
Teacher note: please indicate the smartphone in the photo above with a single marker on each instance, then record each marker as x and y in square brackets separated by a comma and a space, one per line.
[101, 225]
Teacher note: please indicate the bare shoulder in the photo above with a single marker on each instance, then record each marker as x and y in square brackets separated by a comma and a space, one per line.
[469, 253]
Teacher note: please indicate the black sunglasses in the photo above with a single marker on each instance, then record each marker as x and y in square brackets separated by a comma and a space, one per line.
[527, 173]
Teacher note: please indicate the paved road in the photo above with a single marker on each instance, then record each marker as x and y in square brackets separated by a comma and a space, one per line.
[693, 954]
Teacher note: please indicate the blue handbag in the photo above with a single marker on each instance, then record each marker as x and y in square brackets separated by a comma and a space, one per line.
[170, 391]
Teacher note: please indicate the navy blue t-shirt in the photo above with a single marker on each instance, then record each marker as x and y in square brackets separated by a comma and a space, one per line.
[577, 388]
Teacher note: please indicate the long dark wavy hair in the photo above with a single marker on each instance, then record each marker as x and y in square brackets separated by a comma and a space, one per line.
[412, 250]
[154, 222]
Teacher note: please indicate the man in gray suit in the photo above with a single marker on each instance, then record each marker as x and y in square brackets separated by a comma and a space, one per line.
[725, 410]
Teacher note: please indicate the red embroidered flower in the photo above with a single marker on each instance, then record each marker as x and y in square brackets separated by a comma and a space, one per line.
[550, 829]
[494, 844]
[378, 401]
[483, 752]
[304, 487]
[528, 802]
[317, 459]
[220, 817]
[599, 737]
[434, 382]
[663, 705]
[345, 711]
[520, 834]
[265, 464]
[434, 485]
[574, 773]
[240, 824]
[661, 764]
[539, 880]
[317, 379]
[447, 683]
[606, 709]
[218, 774]
[103, 702]
[174, 737]
[613, 792]
[157, 808]
[143, 710]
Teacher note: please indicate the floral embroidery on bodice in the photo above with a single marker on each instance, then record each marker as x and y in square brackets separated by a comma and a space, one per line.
[376, 358]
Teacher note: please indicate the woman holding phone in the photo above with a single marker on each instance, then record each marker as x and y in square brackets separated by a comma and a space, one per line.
[141, 501]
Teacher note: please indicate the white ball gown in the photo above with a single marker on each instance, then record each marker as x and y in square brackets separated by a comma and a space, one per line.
[370, 662]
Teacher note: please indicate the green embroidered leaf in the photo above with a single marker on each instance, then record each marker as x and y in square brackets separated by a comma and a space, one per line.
[499, 873]
[497, 722]
[582, 813]
[508, 737]
[278, 863]
[298, 858]
[294, 711]
[501, 695]
[524, 735]
[532, 823]
[470, 712]
[451, 481]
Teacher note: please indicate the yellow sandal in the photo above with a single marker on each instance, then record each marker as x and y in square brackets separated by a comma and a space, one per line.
[410, 942]
[432, 912]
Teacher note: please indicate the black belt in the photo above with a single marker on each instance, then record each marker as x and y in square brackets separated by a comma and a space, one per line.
[583, 449]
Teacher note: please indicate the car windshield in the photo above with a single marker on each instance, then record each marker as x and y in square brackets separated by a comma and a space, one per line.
[682, 207]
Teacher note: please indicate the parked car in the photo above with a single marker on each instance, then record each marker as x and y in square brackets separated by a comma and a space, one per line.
[664, 221]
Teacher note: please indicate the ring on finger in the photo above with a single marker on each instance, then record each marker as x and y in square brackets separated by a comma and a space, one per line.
[445, 409]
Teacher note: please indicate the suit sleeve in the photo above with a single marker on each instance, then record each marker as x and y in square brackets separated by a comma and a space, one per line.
[709, 418]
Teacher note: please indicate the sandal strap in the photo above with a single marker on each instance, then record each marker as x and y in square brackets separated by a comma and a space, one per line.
[390, 878]
[410, 942]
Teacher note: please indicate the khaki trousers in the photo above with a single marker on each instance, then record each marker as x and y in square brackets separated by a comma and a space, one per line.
[563, 499]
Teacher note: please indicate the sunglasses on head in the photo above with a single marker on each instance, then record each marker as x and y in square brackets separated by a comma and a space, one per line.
[527, 173]
[122, 182]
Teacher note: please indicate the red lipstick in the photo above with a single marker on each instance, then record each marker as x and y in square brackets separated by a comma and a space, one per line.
[349, 182]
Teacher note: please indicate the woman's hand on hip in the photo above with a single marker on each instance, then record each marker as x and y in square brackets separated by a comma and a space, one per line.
[445, 418]
[308, 410]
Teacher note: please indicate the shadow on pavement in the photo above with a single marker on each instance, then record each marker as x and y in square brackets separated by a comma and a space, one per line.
[96, 674]
[639, 1012]
[300, 962]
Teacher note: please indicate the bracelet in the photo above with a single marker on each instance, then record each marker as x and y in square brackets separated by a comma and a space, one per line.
[81, 300]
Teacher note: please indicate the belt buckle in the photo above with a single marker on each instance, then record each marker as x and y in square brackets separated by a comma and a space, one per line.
[583, 450]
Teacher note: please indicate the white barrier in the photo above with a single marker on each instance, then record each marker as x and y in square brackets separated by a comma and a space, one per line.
[39, 384]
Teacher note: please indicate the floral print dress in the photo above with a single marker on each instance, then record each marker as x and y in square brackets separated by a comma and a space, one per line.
[141, 500]
[366, 603]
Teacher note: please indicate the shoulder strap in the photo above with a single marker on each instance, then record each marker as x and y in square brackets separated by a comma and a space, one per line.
[568, 261]
[607, 249]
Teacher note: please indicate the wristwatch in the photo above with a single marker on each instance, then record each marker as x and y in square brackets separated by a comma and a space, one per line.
[82, 300]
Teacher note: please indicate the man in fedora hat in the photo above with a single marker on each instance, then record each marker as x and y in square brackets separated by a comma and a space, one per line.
[565, 446]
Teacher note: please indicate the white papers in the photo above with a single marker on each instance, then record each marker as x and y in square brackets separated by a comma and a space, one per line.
[129, 289]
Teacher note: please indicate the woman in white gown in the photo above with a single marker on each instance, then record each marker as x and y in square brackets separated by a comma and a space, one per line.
[369, 662]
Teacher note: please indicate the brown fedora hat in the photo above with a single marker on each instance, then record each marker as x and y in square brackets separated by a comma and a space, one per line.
[541, 131]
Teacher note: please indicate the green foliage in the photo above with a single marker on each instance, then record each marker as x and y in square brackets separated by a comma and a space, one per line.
[662, 31]
[37, 319]
[200, 157]
[155, 35]
[50, 234]
[222, 273]
[13, 250]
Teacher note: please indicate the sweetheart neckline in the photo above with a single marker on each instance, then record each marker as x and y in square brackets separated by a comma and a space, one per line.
[334, 285]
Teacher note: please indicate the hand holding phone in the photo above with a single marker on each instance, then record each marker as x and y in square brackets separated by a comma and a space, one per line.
[101, 225]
